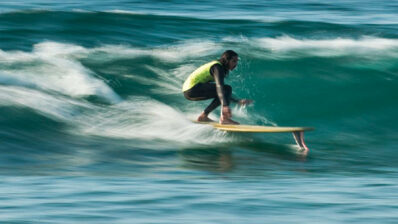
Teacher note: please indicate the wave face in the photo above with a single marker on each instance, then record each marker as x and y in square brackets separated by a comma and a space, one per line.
[90, 95]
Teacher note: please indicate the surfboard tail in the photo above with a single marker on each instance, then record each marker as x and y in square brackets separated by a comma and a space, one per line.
[299, 138]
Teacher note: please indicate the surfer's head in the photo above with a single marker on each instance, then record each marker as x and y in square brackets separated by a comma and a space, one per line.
[229, 59]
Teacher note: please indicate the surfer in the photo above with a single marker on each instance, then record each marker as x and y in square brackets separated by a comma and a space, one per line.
[207, 82]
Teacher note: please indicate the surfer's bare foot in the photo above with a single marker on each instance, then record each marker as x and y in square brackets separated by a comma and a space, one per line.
[226, 115]
[204, 118]
[227, 121]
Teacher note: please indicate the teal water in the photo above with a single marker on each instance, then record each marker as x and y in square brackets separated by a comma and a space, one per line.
[94, 128]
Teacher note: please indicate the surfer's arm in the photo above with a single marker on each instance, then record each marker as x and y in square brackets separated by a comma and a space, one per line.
[241, 101]
[245, 102]
[235, 100]
[218, 74]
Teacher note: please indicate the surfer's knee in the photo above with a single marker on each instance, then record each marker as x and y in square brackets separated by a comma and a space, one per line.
[187, 95]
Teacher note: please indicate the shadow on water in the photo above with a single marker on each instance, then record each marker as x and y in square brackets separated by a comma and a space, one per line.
[228, 157]
[280, 151]
[210, 159]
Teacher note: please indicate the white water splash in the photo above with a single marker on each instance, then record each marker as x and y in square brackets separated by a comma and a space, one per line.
[328, 47]
[51, 66]
[147, 119]
[56, 107]
[170, 53]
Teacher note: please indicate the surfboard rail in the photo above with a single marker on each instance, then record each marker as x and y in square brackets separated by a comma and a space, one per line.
[256, 128]
[298, 132]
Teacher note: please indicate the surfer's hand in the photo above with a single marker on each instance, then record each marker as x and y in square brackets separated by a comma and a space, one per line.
[243, 102]
[226, 112]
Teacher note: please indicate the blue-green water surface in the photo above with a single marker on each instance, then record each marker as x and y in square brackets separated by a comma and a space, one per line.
[94, 127]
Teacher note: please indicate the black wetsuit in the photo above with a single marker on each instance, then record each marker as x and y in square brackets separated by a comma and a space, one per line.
[222, 94]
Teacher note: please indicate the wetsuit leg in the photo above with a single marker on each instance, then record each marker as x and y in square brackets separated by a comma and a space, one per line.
[205, 91]
[201, 91]
[213, 105]
[216, 102]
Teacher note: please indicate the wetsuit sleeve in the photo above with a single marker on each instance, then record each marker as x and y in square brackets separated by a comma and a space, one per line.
[235, 100]
[218, 73]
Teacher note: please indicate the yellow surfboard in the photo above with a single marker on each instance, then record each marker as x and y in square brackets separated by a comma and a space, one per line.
[298, 132]
[255, 128]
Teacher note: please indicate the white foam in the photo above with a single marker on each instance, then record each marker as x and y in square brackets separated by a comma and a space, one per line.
[15, 56]
[147, 119]
[120, 11]
[327, 47]
[171, 53]
[51, 66]
[276, 15]
[182, 71]
[57, 107]
[58, 50]
[188, 49]
[168, 82]
[165, 83]
[139, 118]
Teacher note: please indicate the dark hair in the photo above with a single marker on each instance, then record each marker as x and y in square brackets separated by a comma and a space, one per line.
[227, 56]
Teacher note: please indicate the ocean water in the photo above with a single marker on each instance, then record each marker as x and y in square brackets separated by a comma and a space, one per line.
[94, 128]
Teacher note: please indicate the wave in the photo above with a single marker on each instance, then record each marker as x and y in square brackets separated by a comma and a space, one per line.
[282, 45]
[139, 118]
[147, 119]
[330, 47]
[271, 16]
[199, 48]
[51, 66]
[58, 67]
[170, 53]
[54, 79]
[52, 106]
